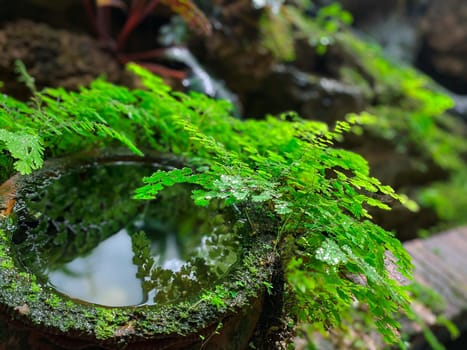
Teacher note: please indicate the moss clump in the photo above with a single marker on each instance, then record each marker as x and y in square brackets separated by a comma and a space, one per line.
[39, 306]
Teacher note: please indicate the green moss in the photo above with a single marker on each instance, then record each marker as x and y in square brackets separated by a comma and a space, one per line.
[412, 114]
[48, 308]
[449, 198]
[53, 302]
[410, 108]
[6, 262]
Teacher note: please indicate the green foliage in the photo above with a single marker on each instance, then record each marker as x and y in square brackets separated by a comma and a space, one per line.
[286, 177]
[68, 121]
[435, 302]
[25, 148]
[412, 114]
[318, 195]
[24, 77]
[411, 110]
[216, 298]
[282, 24]
[448, 198]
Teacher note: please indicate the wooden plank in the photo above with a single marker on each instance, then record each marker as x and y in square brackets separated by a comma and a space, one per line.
[440, 263]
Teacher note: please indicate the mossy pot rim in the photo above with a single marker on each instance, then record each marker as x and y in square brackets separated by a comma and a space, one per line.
[38, 306]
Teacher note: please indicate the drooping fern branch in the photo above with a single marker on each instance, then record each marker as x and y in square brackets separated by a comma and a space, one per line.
[315, 196]
[318, 194]
[62, 121]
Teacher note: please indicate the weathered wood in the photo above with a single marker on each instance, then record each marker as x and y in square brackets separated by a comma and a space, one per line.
[440, 263]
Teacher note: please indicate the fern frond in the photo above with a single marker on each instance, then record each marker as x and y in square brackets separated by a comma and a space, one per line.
[26, 148]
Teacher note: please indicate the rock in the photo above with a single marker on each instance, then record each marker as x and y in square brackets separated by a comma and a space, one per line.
[444, 35]
[53, 57]
[397, 34]
[440, 264]
[362, 10]
[68, 14]
[234, 51]
[460, 107]
[314, 97]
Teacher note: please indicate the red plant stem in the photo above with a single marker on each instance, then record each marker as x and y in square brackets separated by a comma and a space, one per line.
[103, 24]
[144, 55]
[137, 4]
[132, 21]
[164, 71]
[150, 7]
[137, 13]
[90, 12]
[157, 68]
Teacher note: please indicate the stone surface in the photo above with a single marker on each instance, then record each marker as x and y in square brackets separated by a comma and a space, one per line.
[397, 34]
[444, 35]
[57, 13]
[53, 57]
[362, 10]
[313, 97]
[234, 51]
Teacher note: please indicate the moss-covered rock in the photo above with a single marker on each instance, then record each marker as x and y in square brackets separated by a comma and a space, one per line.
[27, 298]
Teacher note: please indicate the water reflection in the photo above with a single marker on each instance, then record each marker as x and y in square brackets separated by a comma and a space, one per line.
[106, 276]
[83, 235]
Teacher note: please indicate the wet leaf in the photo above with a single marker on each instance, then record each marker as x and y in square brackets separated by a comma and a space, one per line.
[330, 253]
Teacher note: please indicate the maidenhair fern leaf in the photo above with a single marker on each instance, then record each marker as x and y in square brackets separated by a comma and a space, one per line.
[330, 253]
[162, 179]
[118, 135]
[26, 148]
[150, 81]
